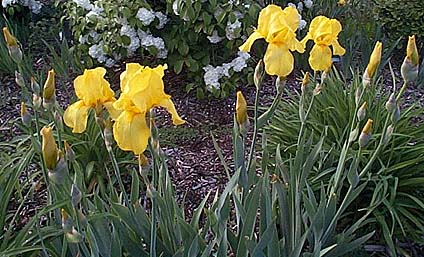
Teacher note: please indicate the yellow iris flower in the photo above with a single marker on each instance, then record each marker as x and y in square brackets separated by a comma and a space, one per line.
[277, 27]
[142, 88]
[94, 92]
[324, 32]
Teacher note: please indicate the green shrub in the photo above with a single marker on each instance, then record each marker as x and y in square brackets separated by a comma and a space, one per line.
[197, 37]
[400, 18]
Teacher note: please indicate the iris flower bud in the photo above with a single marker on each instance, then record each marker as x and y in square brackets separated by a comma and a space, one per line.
[365, 136]
[373, 64]
[241, 113]
[70, 154]
[259, 71]
[409, 68]
[12, 45]
[391, 103]
[49, 89]
[66, 221]
[362, 111]
[19, 79]
[25, 116]
[49, 148]
[76, 195]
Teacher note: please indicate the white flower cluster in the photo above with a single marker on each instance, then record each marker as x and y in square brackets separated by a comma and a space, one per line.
[230, 30]
[147, 40]
[127, 30]
[93, 9]
[214, 74]
[147, 16]
[34, 5]
[96, 51]
[215, 38]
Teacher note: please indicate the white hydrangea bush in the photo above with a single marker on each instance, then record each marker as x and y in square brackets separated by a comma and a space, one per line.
[198, 37]
[33, 5]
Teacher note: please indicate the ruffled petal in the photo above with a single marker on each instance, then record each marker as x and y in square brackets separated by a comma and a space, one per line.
[75, 116]
[131, 132]
[267, 16]
[131, 69]
[337, 48]
[91, 87]
[170, 107]
[278, 60]
[249, 42]
[291, 17]
[320, 58]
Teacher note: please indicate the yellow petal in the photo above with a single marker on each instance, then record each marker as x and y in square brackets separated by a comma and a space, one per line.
[267, 16]
[278, 60]
[91, 87]
[75, 116]
[49, 148]
[113, 112]
[295, 45]
[319, 25]
[170, 107]
[337, 48]
[320, 58]
[291, 17]
[130, 70]
[304, 40]
[249, 42]
[131, 132]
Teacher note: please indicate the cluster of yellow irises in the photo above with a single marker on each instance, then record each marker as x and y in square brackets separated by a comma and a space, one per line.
[141, 89]
[278, 28]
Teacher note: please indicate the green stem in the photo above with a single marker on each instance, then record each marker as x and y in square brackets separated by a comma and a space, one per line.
[255, 129]
[115, 168]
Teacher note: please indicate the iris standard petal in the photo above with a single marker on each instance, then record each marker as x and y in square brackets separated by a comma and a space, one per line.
[131, 132]
[75, 116]
[267, 16]
[249, 42]
[291, 18]
[130, 70]
[320, 58]
[170, 107]
[278, 60]
[91, 87]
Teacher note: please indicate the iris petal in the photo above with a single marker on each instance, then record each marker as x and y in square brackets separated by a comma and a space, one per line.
[337, 48]
[75, 116]
[170, 107]
[131, 132]
[278, 60]
[320, 58]
[249, 42]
